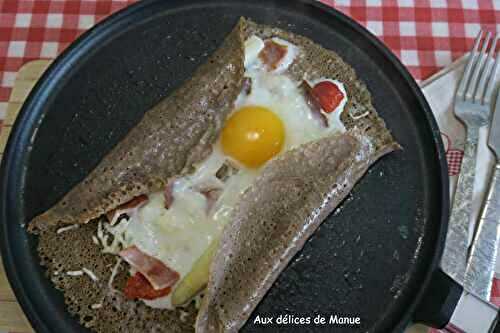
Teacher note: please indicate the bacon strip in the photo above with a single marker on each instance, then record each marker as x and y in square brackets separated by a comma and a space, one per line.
[247, 85]
[272, 54]
[212, 195]
[155, 271]
[126, 208]
[168, 194]
[139, 287]
[313, 103]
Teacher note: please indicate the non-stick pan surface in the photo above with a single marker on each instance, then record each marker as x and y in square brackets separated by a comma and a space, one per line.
[371, 258]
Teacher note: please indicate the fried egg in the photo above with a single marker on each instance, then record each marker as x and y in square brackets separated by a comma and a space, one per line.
[270, 117]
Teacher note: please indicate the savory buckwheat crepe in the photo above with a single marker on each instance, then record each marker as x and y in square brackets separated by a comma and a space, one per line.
[188, 221]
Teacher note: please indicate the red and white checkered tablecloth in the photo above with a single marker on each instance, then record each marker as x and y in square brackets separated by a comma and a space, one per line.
[426, 35]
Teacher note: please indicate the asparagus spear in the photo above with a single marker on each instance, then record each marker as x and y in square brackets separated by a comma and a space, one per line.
[197, 278]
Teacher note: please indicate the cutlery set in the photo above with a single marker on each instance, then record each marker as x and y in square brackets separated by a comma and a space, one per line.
[473, 266]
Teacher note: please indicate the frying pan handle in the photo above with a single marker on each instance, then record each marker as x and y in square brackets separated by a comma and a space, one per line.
[445, 305]
[439, 301]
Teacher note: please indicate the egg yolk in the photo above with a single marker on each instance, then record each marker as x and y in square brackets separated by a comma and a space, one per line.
[253, 135]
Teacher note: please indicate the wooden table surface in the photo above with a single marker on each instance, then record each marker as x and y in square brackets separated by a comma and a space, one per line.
[12, 318]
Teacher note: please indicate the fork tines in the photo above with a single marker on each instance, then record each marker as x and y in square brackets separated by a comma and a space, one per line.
[476, 85]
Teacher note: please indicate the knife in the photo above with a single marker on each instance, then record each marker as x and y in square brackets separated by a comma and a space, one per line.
[481, 263]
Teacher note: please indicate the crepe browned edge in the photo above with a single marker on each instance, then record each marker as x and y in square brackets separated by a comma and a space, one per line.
[273, 220]
[74, 249]
[294, 193]
[171, 137]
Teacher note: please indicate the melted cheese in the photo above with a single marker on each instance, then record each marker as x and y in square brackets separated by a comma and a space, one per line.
[180, 234]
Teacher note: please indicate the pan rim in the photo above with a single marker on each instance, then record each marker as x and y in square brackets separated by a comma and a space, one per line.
[27, 122]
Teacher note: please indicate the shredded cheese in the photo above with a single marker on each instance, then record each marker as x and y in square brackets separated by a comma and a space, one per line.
[118, 239]
[356, 117]
[114, 271]
[96, 306]
[101, 236]
[90, 274]
[117, 233]
[81, 272]
[68, 228]
[74, 273]
[183, 315]
[95, 240]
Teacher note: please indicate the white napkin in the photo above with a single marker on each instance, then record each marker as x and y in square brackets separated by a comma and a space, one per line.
[440, 91]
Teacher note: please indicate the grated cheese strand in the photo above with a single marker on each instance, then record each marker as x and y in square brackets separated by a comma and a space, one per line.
[90, 274]
[114, 271]
[356, 117]
[183, 315]
[68, 228]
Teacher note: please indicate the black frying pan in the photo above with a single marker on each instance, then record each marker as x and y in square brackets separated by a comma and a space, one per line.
[373, 258]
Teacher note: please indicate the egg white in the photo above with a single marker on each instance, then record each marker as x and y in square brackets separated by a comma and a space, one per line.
[178, 236]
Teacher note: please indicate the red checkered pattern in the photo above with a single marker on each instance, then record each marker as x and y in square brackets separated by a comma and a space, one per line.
[495, 292]
[41, 29]
[426, 35]
[454, 159]
[453, 156]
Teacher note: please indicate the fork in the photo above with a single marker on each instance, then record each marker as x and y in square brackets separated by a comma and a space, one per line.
[472, 107]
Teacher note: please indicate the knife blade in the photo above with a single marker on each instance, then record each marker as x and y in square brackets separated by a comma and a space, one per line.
[480, 267]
